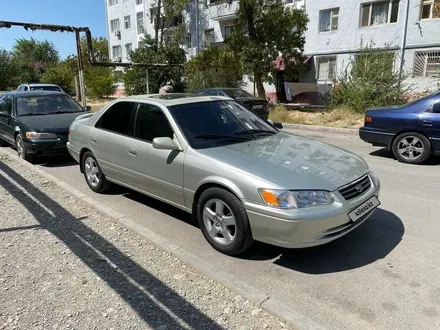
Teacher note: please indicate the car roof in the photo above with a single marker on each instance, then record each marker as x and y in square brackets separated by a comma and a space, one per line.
[35, 93]
[174, 98]
[39, 84]
[220, 88]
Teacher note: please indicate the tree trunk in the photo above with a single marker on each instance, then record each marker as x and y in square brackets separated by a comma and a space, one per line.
[249, 12]
[157, 21]
[260, 87]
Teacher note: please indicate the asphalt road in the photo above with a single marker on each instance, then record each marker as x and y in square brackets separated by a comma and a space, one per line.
[383, 275]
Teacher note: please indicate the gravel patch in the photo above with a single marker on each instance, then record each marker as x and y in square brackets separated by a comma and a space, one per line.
[63, 265]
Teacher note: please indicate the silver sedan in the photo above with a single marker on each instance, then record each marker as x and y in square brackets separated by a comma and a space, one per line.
[240, 177]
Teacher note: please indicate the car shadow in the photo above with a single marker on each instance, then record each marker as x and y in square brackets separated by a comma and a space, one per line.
[371, 241]
[385, 153]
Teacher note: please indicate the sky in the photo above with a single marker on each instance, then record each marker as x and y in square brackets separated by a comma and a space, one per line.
[84, 13]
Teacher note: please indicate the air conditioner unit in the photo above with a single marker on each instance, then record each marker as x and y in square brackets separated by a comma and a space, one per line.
[117, 33]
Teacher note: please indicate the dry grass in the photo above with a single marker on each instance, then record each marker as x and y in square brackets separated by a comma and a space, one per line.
[98, 104]
[340, 117]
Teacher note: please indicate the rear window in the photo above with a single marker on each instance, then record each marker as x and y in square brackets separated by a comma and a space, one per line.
[46, 88]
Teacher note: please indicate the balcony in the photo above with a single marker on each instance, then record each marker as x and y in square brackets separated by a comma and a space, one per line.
[168, 22]
[221, 10]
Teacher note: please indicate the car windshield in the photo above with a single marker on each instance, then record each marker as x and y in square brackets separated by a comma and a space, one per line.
[45, 105]
[216, 123]
[45, 88]
[239, 94]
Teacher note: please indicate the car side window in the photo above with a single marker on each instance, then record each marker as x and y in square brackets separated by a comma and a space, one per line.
[151, 122]
[7, 105]
[117, 118]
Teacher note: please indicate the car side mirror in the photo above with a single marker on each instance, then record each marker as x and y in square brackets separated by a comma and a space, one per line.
[436, 108]
[277, 125]
[88, 108]
[165, 143]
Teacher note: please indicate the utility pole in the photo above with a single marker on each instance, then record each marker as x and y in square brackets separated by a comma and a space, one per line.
[403, 44]
[82, 85]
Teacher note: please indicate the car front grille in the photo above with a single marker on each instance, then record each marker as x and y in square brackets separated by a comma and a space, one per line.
[356, 188]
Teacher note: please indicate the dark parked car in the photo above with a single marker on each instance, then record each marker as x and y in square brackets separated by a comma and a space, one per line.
[411, 131]
[37, 123]
[258, 106]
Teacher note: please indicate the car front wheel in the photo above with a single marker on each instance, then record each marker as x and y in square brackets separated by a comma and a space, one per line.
[223, 221]
[21, 149]
[92, 173]
[411, 148]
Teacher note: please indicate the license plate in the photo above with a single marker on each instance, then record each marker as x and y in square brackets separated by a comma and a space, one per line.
[255, 107]
[364, 209]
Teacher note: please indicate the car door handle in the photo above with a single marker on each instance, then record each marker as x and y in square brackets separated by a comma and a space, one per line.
[93, 141]
[133, 152]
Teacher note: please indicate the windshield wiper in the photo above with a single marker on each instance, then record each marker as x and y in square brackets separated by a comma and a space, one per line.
[220, 136]
[33, 114]
[256, 132]
[60, 111]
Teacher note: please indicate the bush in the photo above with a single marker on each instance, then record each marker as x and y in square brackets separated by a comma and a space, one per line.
[369, 81]
[99, 82]
[62, 75]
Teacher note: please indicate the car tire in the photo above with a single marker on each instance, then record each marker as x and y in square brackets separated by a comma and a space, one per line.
[21, 149]
[93, 175]
[224, 221]
[411, 148]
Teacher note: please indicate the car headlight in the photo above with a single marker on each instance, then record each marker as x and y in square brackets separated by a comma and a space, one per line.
[287, 199]
[41, 136]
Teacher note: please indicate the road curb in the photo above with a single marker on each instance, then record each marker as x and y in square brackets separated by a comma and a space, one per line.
[254, 294]
[349, 131]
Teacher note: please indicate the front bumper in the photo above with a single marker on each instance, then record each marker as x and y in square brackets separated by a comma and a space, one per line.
[45, 148]
[307, 227]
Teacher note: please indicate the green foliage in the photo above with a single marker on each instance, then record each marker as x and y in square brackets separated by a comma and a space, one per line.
[62, 74]
[158, 77]
[213, 67]
[33, 58]
[265, 29]
[99, 82]
[369, 80]
[8, 71]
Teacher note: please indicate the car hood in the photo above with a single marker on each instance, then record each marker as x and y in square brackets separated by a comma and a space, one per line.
[292, 162]
[49, 123]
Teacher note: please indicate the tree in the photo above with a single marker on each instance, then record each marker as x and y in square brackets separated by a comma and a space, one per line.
[266, 29]
[33, 58]
[436, 9]
[62, 74]
[8, 71]
[213, 67]
[369, 80]
[149, 52]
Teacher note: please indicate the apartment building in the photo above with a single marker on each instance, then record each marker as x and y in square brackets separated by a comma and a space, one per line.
[337, 28]
[335, 32]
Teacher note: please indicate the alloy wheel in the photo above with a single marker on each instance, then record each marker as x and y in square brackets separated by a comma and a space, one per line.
[410, 148]
[92, 171]
[219, 221]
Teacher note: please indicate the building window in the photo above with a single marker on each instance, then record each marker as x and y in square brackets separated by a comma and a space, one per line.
[188, 40]
[127, 22]
[138, 2]
[209, 37]
[428, 10]
[328, 20]
[228, 30]
[117, 53]
[140, 22]
[378, 13]
[128, 49]
[113, 2]
[426, 64]
[326, 67]
[114, 25]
